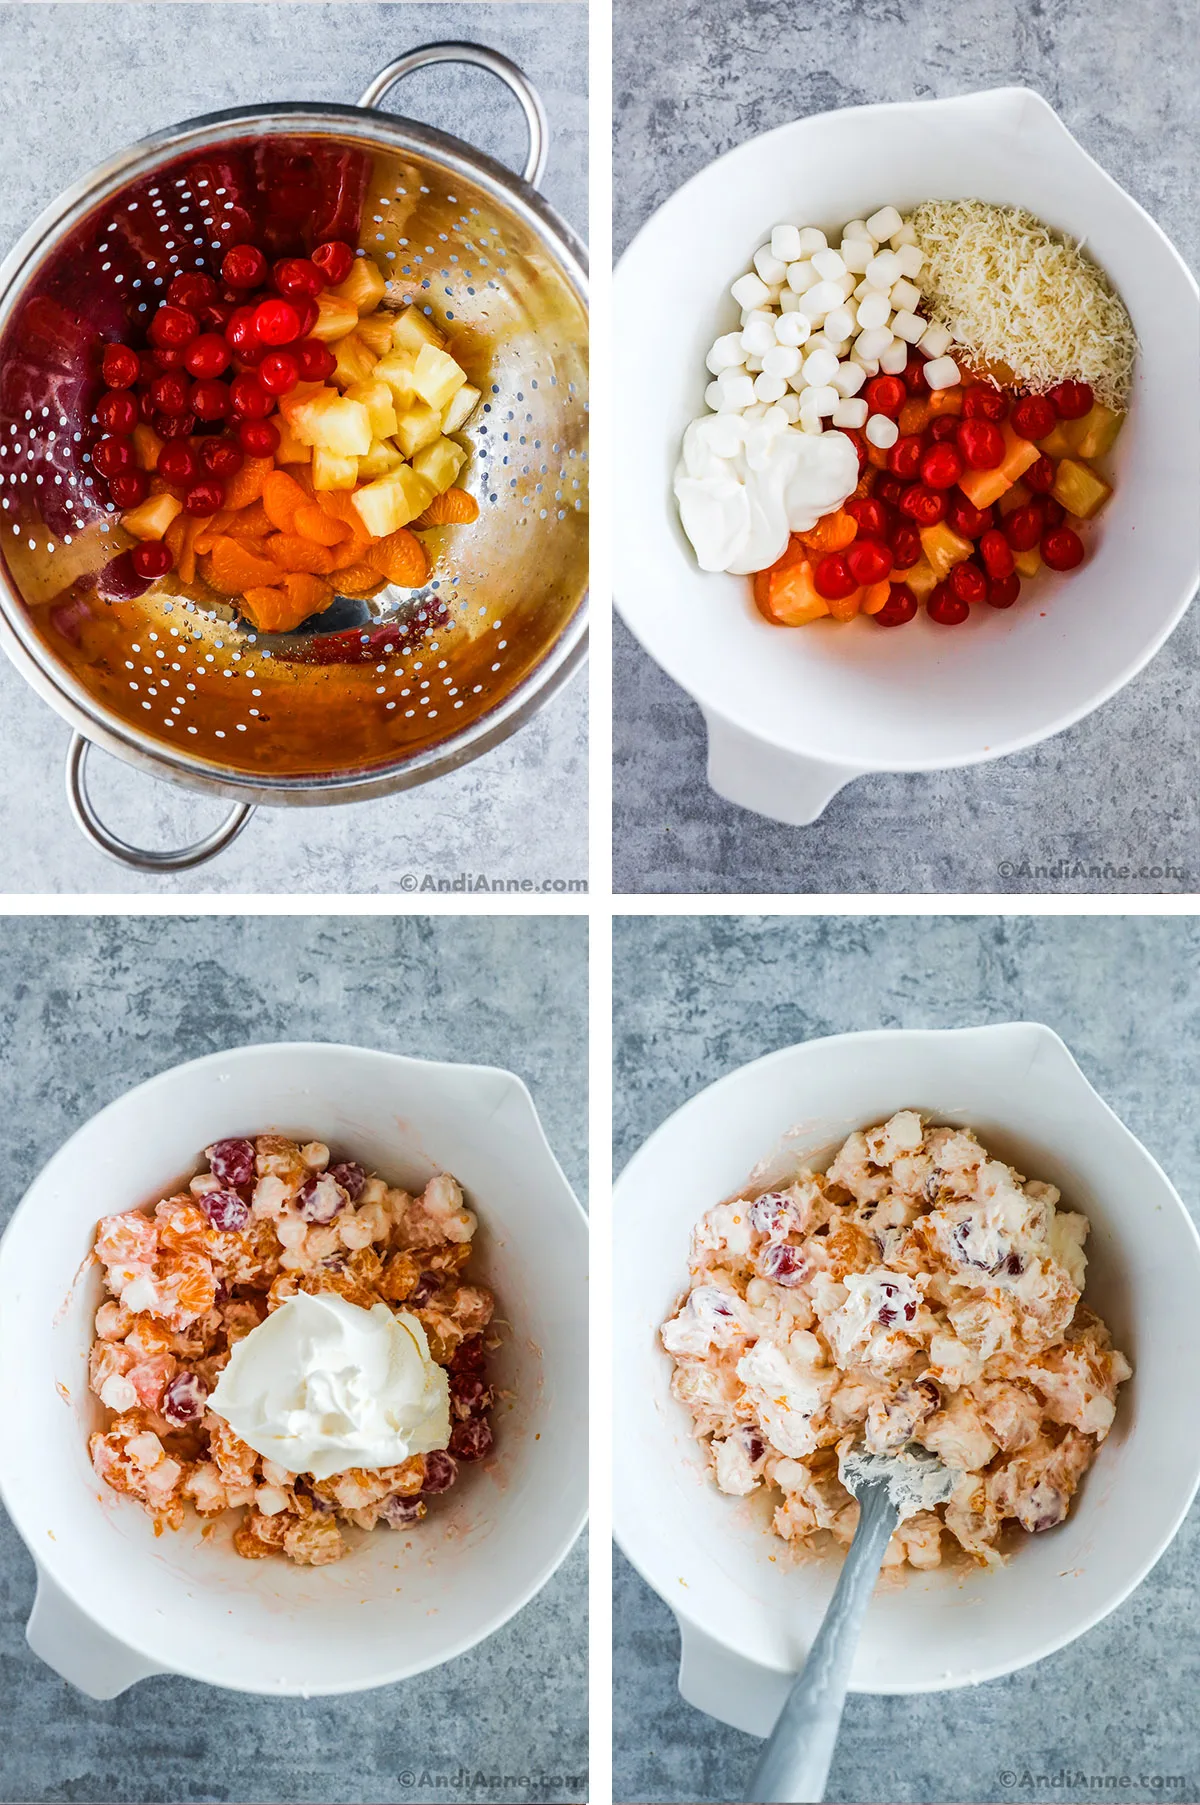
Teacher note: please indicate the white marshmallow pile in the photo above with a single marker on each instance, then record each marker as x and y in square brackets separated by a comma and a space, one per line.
[818, 321]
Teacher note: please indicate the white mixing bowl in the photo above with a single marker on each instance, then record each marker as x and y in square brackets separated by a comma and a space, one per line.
[793, 714]
[747, 1614]
[115, 1604]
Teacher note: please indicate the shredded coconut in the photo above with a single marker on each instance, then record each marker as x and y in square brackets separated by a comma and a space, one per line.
[1012, 291]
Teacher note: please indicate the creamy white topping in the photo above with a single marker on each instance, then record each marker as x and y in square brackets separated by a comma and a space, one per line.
[710, 1318]
[786, 1390]
[323, 1385]
[744, 486]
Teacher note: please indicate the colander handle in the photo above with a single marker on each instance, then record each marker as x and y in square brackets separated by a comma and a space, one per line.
[90, 824]
[513, 78]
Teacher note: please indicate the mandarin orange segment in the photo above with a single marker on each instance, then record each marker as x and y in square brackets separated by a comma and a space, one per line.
[402, 559]
[288, 551]
[832, 533]
[312, 522]
[306, 591]
[247, 484]
[194, 528]
[358, 579]
[282, 495]
[233, 569]
[452, 508]
[272, 610]
[250, 523]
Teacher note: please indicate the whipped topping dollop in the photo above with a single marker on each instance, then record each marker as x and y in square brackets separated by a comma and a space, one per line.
[744, 486]
[323, 1385]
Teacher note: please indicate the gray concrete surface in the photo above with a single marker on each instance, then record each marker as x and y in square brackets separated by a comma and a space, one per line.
[695, 998]
[82, 81]
[95, 1007]
[693, 78]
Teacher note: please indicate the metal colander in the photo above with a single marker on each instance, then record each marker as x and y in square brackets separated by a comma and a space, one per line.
[370, 696]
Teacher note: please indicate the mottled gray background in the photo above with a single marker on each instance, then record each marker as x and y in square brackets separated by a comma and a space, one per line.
[89, 1009]
[693, 78]
[695, 998]
[78, 82]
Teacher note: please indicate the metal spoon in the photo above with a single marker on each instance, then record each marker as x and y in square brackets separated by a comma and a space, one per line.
[794, 1765]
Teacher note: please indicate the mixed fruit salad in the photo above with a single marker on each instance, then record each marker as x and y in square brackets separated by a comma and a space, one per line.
[284, 435]
[909, 418]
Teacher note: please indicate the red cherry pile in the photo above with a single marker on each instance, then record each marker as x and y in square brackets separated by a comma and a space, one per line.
[917, 486]
[218, 358]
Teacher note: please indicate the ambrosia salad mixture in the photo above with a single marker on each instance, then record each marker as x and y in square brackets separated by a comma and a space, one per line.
[918, 1291]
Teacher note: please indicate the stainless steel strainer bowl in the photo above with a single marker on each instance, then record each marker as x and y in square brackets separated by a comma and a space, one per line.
[371, 696]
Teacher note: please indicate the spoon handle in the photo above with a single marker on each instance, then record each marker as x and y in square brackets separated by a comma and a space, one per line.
[794, 1765]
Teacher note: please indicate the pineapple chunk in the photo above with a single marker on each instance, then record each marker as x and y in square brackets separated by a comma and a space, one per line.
[375, 329]
[151, 518]
[381, 460]
[461, 408]
[396, 369]
[146, 446]
[1096, 433]
[392, 501]
[983, 487]
[1028, 563]
[376, 397]
[440, 463]
[291, 449]
[355, 361]
[414, 329]
[333, 423]
[296, 398]
[335, 317]
[1056, 444]
[364, 287]
[1016, 497]
[418, 426]
[1079, 489]
[943, 550]
[437, 378]
[921, 578]
[331, 471]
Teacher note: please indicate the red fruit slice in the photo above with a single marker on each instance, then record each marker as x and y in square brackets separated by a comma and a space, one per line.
[900, 607]
[946, 608]
[1062, 549]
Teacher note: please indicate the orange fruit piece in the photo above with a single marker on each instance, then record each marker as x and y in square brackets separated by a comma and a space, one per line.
[282, 495]
[250, 523]
[402, 559]
[338, 504]
[173, 538]
[452, 508]
[288, 551]
[358, 579]
[312, 522]
[233, 568]
[307, 591]
[272, 610]
[247, 484]
[832, 533]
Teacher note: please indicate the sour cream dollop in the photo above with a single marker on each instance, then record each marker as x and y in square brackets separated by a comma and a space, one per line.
[743, 486]
[323, 1385]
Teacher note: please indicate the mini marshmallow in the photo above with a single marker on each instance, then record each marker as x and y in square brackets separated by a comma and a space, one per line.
[911, 259]
[822, 400]
[884, 269]
[750, 290]
[775, 419]
[801, 277]
[934, 341]
[789, 301]
[811, 240]
[856, 253]
[873, 310]
[714, 396]
[757, 411]
[848, 378]
[839, 324]
[909, 326]
[869, 345]
[758, 338]
[819, 341]
[839, 346]
[906, 235]
[818, 301]
[754, 365]
[772, 269]
[828, 265]
[850, 413]
[942, 373]
[905, 296]
[881, 431]
[791, 407]
[792, 329]
[895, 359]
[882, 224]
[737, 390]
[863, 290]
[846, 284]
[819, 367]
[781, 360]
[858, 228]
[726, 353]
[870, 365]
[785, 243]
[810, 422]
[769, 388]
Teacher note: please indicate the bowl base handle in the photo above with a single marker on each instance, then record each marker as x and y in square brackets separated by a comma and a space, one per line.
[78, 1649]
[728, 1687]
[781, 785]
